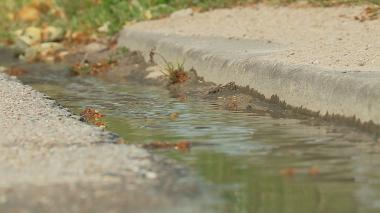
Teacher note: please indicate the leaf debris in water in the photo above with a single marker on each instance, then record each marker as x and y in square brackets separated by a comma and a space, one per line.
[181, 146]
[92, 116]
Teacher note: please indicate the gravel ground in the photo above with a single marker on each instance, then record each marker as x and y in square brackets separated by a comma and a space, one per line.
[50, 161]
[327, 37]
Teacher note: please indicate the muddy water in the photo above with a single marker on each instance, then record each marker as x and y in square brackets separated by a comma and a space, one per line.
[256, 162]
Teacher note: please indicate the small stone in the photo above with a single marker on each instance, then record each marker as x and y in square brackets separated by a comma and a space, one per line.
[151, 175]
[154, 72]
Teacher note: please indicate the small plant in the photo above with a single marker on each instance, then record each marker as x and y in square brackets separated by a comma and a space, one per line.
[175, 72]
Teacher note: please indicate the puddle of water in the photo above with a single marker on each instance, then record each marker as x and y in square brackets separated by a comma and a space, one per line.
[256, 162]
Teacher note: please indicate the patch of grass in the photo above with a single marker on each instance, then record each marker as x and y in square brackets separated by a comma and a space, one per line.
[176, 73]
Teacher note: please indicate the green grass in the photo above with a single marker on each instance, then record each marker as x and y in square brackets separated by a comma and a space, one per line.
[85, 15]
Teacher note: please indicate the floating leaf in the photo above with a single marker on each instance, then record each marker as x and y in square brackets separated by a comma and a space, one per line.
[181, 146]
[313, 171]
[288, 172]
[92, 116]
[173, 116]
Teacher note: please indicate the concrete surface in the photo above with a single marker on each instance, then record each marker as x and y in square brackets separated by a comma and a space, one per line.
[52, 162]
[329, 37]
[204, 42]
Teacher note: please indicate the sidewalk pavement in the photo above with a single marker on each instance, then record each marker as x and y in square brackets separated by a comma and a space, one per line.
[321, 59]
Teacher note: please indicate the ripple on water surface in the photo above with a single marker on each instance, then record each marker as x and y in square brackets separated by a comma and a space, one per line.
[256, 162]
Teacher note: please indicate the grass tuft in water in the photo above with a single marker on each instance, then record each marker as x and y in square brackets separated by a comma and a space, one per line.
[175, 72]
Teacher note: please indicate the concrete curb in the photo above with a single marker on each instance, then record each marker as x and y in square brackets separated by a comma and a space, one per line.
[221, 60]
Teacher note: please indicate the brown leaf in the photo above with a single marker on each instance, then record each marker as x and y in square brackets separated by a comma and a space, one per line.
[89, 114]
[29, 14]
[100, 124]
[86, 68]
[173, 116]
[181, 97]
[369, 13]
[181, 76]
[79, 38]
[288, 172]
[313, 171]
[16, 71]
[43, 5]
[181, 146]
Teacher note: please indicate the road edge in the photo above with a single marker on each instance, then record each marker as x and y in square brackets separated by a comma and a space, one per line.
[351, 94]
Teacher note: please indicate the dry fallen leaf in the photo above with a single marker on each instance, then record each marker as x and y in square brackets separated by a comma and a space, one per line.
[313, 171]
[181, 97]
[181, 146]
[181, 76]
[105, 28]
[51, 33]
[288, 172]
[369, 13]
[86, 68]
[73, 38]
[29, 14]
[15, 71]
[47, 52]
[29, 36]
[92, 116]
[100, 124]
[173, 116]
